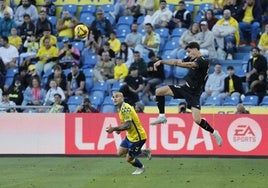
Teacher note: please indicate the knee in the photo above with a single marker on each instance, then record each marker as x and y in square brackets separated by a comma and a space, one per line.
[129, 159]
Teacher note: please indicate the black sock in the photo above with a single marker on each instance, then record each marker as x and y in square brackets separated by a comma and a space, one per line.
[205, 125]
[160, 104]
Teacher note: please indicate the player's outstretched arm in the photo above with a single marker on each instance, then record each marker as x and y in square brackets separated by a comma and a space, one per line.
[123, 127]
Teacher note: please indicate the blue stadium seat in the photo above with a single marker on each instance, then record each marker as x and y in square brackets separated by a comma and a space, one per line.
[108, 108]
[90, 60]
[264, 101]
[125, 20]
[163, 32]
[88, 72]
[250, 100]
[66, 71]
[107, 8]
[190, 7]
[89, 84]
[53, 20]
[98, 93]
[213, 101]
[72, 8]
[10, 76]
[122, 30]
[86, 18]
[88, 9]
[231, 101]
[116, 86]
[179, 72]
[176, 102]
[108, 100]
[79, 45]
[171, 45]
[96, 101]
[60, 45]
[168, 71]
[45, 77]
[204, 6]
[141, 29]
[140, 19]
[109, 17]
[100, 86]
[73, 102]
[171, 7]
[177, 32]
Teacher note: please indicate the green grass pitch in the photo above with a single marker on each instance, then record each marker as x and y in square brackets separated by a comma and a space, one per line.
[114, 172]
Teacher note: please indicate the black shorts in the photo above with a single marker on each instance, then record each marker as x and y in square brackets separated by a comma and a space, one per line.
[183, 91]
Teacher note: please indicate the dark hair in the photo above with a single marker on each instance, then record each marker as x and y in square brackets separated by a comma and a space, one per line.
[26, 15]
[151, 54]
[149, 24]
[256, 48]
[124, 52]
[5, 38]
[193, 45]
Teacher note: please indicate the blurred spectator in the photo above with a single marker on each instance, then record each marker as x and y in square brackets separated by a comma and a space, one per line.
[141, 7]
[68, 55]
[42, 25]
[16, 90]
[151, 41]
[139, 107]
[5, 7]
[26, 8]
[106, 48]
[34, 94]
[14, 39]
[6, 104]
[59, 77]
[183, 108]
[140, 64]
[182, 18]
[22, 74]
[233, 6]
[188, 36]
[6, 24]
[27, 29]
[154, 77]
[263, 43]
[126, 54]
[232, 84]
[134, 38]
[32, 48]
[120, 71]
[75, 81]
[47, 34]
[46, 57]
[205, 39]
[161, 17]
[215, 84]
[93, 43]
[86, 107]
[132, 85]
[119, 9]
[226, 33]
[66, 25]
[210, 18]
[256, 64]
[114, 42]
[8, 53]
[59, 106]
[240, 109]
[102, 24]
[49, 7]
[258, 87]
[104, 69]
[31, 74]
[217, 6]
[250, 16]
[54, 89]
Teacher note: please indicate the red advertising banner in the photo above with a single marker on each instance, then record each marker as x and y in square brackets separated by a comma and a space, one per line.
[242, 135]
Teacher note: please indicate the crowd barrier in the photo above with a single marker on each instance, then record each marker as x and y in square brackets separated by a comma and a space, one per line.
[84, 134]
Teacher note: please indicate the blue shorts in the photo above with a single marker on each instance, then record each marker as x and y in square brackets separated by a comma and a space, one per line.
[134, 148]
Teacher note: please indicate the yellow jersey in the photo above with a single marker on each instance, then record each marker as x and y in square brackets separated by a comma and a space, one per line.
[136, 131]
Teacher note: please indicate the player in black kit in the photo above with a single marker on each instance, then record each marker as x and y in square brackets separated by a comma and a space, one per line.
[190, 88]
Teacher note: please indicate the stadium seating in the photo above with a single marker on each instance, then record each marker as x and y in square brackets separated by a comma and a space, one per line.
[190, 7]
[231, 101]
[101, 86]
[107, 8]
[177, 32]
[140, 19]
[171, 45]
[168, 71]
[250, 100]
[122, 30]
[125, 20]
[72, 8]
[116, 86]
[90, 60]
[204, 6]
[109, 17]
[95, 101]
[175, 102]
[179, 72]
[86, 18]
[108, 108]
[79, 45]
[213, 101]
[163, 32]
[264, 101]
[73, 102]
[10, 76]
[88, 9]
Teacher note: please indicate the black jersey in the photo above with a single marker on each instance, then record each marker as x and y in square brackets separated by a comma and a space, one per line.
[196, 77]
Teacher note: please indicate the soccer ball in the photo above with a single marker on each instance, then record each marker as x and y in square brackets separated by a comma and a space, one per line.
[81, 32]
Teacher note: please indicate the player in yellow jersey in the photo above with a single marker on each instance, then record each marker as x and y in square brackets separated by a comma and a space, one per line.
[136, 135]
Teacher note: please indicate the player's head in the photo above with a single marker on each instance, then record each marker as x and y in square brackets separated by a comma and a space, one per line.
[118, 98]
[193, 49]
